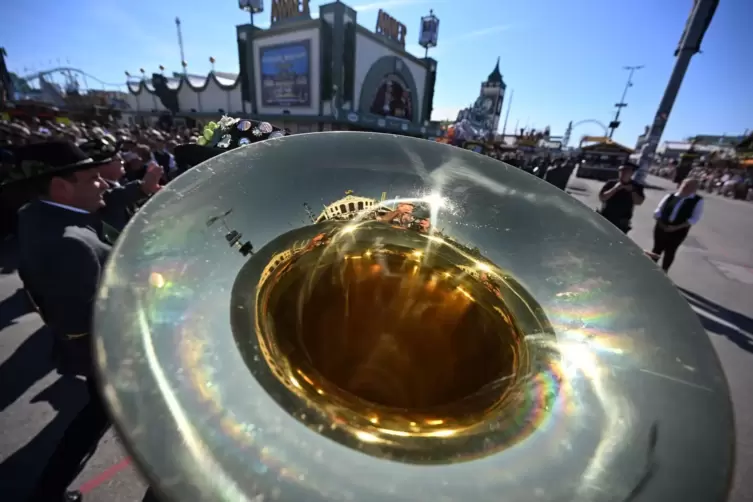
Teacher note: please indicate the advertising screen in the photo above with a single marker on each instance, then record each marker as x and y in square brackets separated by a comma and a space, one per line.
[285, 74]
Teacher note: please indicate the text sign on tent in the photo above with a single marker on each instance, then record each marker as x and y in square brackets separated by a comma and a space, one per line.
[287, 10]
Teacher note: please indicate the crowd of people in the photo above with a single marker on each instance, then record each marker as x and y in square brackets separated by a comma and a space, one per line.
[134, 141]
[728, 181]
[735, 183]
[556, 169]
[33, 129]
[137, 148]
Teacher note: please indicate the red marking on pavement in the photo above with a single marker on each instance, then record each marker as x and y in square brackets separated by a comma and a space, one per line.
[105, 475]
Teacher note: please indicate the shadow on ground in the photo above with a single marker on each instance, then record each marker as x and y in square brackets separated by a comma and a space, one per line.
[13, 307]
[577, 189]
[19, 471]
[719, 320]
[649, 186]
[8, 256]
[31, 362]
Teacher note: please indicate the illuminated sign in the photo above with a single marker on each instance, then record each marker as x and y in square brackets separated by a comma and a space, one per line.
[283, 10]
[391, 28]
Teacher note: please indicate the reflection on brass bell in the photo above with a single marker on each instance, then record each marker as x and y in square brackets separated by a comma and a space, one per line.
[451, 329]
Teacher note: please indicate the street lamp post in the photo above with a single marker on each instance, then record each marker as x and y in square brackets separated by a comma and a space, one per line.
[614, 124]
[690, 44]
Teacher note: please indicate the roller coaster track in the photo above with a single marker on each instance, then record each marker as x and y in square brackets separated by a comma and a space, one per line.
[568, 134]
[592, 121]
[66, 69]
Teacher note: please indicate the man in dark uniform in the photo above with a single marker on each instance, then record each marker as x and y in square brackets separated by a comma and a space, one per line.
[674, 215]
[619, 197]
[63, 246]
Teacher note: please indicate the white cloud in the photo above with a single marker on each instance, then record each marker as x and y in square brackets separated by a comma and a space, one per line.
[480, 33]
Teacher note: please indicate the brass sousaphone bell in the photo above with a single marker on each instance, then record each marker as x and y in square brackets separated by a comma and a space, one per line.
[364, 317]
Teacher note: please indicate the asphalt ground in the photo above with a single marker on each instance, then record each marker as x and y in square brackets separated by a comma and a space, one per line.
[714, 270]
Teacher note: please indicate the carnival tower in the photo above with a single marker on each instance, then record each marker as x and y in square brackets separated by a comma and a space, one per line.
[492, 96]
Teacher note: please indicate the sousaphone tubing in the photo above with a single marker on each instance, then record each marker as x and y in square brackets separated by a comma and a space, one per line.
[360, 317]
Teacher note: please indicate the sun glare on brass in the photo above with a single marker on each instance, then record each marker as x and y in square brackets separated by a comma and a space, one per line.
[396, 335]
[401, 321]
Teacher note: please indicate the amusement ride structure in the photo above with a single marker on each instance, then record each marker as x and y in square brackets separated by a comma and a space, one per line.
[60, 91]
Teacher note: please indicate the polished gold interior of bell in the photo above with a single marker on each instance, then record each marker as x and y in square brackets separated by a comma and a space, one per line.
[394, 339]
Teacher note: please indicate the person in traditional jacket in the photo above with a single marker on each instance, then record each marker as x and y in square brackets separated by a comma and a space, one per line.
[122, 198]
[674, 215]
[63, 245]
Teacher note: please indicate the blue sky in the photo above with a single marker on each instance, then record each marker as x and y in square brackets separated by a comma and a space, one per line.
[564, 59]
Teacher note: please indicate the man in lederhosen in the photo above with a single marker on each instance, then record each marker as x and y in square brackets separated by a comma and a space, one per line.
[63, 245]
[674, 215]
